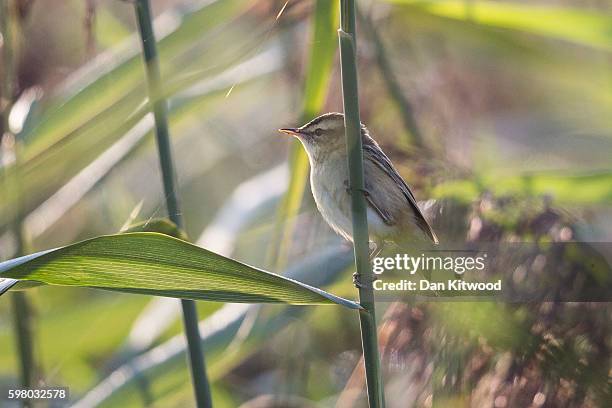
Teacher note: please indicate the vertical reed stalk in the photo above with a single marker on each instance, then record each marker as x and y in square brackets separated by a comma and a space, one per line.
[159, 106]
[23, 329]
[22, 310]
[352, 124]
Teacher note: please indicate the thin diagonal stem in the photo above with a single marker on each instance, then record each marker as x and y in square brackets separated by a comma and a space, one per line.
[159, 106]
[391, 82]
[352, 124]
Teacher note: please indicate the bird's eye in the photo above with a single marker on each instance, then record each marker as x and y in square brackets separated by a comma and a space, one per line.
[318, 131]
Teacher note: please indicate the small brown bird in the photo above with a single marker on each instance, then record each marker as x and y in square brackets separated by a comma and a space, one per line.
[393, 214]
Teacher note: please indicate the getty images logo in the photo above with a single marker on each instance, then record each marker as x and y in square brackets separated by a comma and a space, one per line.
[458, 264]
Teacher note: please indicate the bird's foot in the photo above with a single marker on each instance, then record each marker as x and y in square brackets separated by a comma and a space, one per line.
[361, 285]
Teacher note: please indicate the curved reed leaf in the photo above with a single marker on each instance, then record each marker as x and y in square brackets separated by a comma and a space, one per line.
[218, 330]
[156, 264]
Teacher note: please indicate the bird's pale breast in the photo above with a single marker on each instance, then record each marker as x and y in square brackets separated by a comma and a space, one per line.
[334, 202]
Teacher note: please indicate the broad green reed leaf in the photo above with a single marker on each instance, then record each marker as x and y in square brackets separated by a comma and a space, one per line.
[252, 200]
[586, 28]
[156, 264]
[318, 269]
[573, 189]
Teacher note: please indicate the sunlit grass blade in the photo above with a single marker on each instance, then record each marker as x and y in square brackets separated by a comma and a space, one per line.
[569, 24]
[320, 64]
[160, 265]
[323, 45]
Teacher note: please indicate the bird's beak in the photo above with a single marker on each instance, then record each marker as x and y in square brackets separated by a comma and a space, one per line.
[290, 131]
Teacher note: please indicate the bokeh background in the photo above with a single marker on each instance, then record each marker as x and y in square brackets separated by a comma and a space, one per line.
[498, 114]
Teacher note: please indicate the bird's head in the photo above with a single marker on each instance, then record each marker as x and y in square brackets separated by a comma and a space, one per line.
[321, 136]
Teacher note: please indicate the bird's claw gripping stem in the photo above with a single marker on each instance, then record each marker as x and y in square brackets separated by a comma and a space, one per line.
[357, 281]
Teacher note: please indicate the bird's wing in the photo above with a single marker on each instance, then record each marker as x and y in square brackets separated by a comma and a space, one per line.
[373, 153]
[384, 215]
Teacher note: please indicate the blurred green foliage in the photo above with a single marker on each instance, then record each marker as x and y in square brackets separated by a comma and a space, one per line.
[513, 100]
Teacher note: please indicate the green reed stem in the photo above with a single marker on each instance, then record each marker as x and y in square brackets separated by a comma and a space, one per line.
[23, 328]
[352, 124]
[22, 310]
[160, 112]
